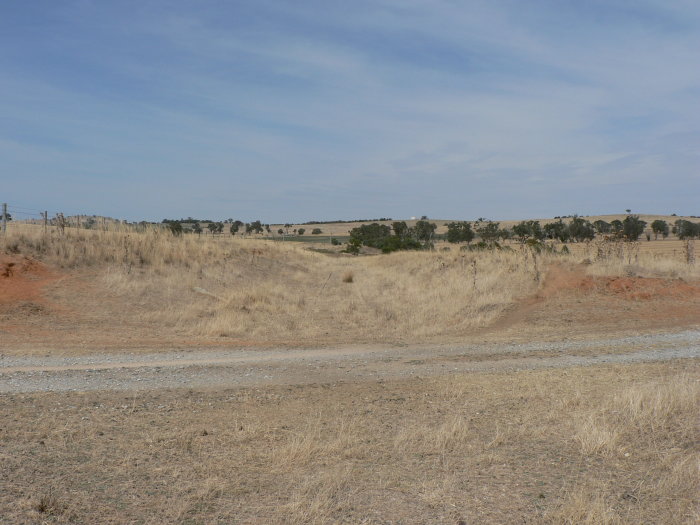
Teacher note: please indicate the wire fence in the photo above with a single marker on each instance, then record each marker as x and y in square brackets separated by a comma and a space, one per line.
[13, 214]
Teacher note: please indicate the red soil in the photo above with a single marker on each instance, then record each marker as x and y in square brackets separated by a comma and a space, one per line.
[561, 279]
[22, 280]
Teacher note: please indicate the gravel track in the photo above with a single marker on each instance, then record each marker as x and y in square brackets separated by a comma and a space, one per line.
[255, 367]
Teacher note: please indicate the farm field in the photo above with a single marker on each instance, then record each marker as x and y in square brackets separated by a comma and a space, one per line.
[147, 378]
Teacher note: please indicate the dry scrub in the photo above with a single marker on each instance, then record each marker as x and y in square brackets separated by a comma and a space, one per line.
[483, 448]
[281, 292]
[149, 289]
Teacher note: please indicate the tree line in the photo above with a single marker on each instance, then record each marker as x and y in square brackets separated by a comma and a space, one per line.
[399, 236]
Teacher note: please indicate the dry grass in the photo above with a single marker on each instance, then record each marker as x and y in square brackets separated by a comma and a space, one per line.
[149, 290]
[483, 448]
[267, 291]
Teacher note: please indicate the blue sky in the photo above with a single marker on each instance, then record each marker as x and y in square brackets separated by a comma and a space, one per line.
[300, 110]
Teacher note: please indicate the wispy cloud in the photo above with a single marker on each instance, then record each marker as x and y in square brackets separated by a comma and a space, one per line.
[289, 111]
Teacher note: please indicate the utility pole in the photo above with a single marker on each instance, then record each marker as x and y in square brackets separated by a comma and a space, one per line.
[4, 217]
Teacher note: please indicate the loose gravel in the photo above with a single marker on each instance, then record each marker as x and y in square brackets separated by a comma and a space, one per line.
[250, 367]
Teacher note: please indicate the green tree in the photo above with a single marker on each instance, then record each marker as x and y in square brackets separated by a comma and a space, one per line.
[616, 226]
[175, 228]
[580, 229]
[256, 227]
[660, 227]
[301, 231]
[557, 230]
[686, 229]
[400, 229]
[525, 230]
[489, 231]
[372, 235]
[197, 228]
[602, 226]
[460, 232]
[632, 227]
[379, 236]
[424, 230]
[317, 231]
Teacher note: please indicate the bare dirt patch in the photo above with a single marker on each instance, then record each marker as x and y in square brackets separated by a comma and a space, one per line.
[23, 280]
[571, 302]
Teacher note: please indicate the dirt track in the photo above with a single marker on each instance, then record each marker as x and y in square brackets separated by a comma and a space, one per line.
[231, 368]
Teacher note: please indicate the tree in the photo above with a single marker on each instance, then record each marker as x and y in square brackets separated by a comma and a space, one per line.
[379, 236]
[212, 227]
[632, 227]
[280, 231]
[256, 227]
[659, 227]
[528, 230]
[489, 231]
[197, 228]
[580, 229]
[602, 226]
[372, 235]
[686, 229]
[400, 229]
[175, 228]
[425, 230]
[616, 226]
[317, 231]
[557, 230]
[301, 231]
[459, 232]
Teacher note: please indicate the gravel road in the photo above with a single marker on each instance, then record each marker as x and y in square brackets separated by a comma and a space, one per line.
[242, 367]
